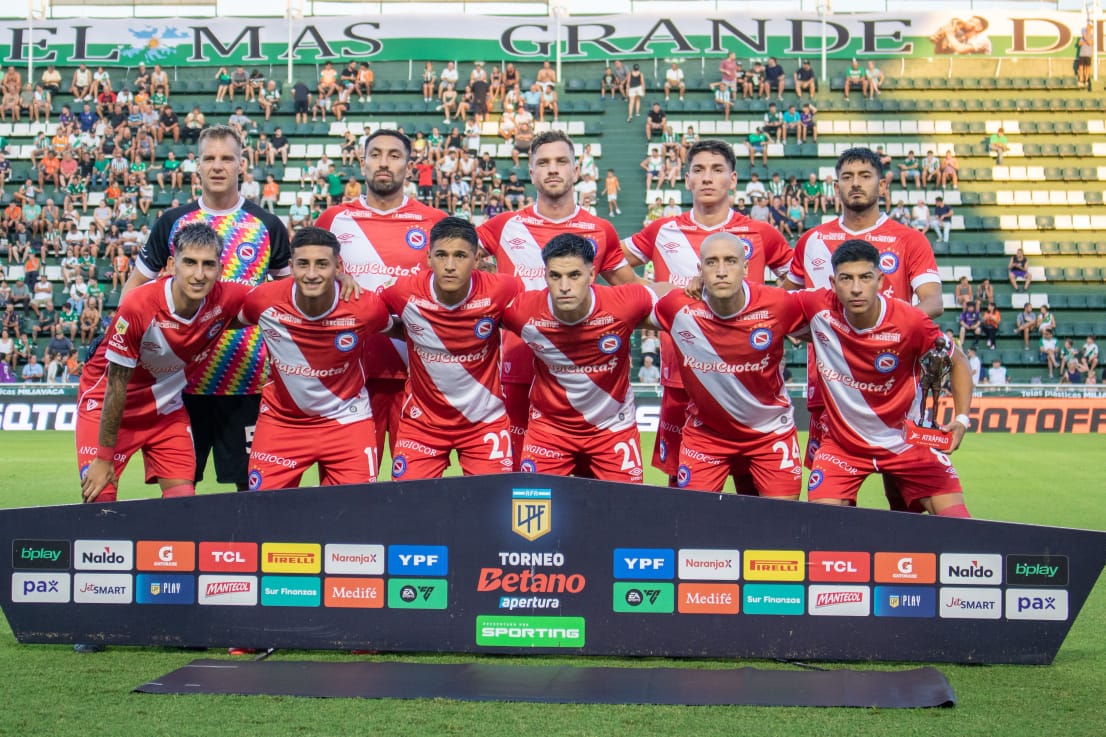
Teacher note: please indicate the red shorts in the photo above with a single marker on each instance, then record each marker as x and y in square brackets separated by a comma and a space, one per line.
[386, 398]
[666, 451]
[166, 446]
[920, 473]
[516, 399]
[282, 451]
[604, 454]
[707, 457]
[422, 448]
[814, 437]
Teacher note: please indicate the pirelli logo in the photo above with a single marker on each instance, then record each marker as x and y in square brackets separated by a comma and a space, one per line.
[291, 557]
[775, 565]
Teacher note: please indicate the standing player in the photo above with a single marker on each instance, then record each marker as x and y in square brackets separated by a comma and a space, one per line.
[454, 398]
[729, 347]
[582, 419]
[383, 235]
[223, 395]
[867, 350]
[905, 260]
[516, 240]
[672, 244]
[130, 391]
[315, 408]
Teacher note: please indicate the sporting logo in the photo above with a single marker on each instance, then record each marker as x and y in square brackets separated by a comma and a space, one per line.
[121, 326]
[761, 339]
[888, 262]
[485, 326]
[683, 476]
[40, 588]
[418, 560]
[531, 509]
[399, 466]
[103, 555]
[416, 239]
[353, 593]
[662, 451]
[969, 603]
[529, 632]
[610, 343]
[886, 362]
[246, 252]
[254, 480]
[357, 560]
[39, 554]
[166, 555]
[345, 341]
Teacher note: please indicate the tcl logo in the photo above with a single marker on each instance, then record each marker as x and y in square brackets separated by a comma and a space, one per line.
[834, 565]
[228, 556]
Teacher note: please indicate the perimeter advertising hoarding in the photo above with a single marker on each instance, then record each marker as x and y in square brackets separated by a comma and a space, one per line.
[525, 563]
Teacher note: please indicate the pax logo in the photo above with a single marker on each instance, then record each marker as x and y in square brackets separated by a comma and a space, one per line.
[228, 557]
[775, 565]
[418, 560]
[709, 598]
[103, 555]
[39, 554]
[906, 568]
[166, 555]
[227, 590]
[356, 560]
[353, 593]
[839, 601]
[709, 565]
[1048, 604]
[40, 588]
[644, 563]
[978, 570]
[833, 565]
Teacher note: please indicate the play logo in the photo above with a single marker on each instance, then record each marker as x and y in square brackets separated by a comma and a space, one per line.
[153, 588]
[1037, 570]
[905, 601]
[41, 554]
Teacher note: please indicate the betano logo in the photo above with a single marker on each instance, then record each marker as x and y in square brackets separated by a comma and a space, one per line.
[775, 565]
[291, 557]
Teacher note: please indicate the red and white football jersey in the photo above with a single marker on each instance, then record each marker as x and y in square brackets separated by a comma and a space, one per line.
[870, 377]
[315, 362]
[582, 381]
[161, 346]
[454, 350]
[377, 248]
[905, 258]
[732, 366]
[516, 240]
[672, 244]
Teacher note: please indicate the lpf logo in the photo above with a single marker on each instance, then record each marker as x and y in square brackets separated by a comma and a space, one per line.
[531, 512]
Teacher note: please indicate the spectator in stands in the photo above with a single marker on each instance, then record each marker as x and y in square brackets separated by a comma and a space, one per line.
[1048, 350]
[42, 297]
[673, 169]
[608, 83]
[757, 142]
[547, 75]
[975, 366]
[429, 78]
[1075, 371]
[168, 125]
[269, 98]
[774, 76]
[587, 191]
[919, 217]
[90, 322]
[655, 121]
[793, 123]
[674, 79]
[81, 85]
[997, 144]
[249, 188]
[363, 84]
[298, 214]
[804, 80]
[1018, 270]
[949, 172]
[523, 136]
[931, 169]
[970, 323]
[1026, 323]
[963, 292]
[32, 372]
[777, 215]
[773, 124]
[899, 213]
[648, 373]
[7, 347]
[755, 82]
[1046, 320]
[755, 188]
[727, 69]
[239, 81]
[328, 81]
[11, 321]
[759, 210]
[51, 81]
[1085, 52]
[855, 76]
[873, 80]
[942, 220]
[812, 194]
[449, 77]
[723, 98]
[59, 345]
[301, 102]
[653, 164]
[621, 78]
[9, 105]
[159, 81]
[548, 102]
[985, 294]
[635, 90]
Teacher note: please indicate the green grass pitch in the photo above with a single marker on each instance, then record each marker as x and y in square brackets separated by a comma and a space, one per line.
[1044, 479]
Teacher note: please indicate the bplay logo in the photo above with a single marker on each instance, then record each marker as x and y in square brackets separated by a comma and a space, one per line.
[787, 599]
[103, 588]
[353, 593]
[166, 555]
[775, 565]
[164, 589]
[697, 564]
[708, 598]
[355, 560]
[526, 632]
[227, 590]
[972, 569]
[905, 601]
[418, 560]
[640, 597]
[839, 565]
[228, 557]
[839, 601]
[418, 593]
[40, 588]
[103, 555]
[969, 603]
[644, 563]
[40, 554]
[291, 557]
[1037, 570]
[291, 591]
[1046, 604]
[906, 568]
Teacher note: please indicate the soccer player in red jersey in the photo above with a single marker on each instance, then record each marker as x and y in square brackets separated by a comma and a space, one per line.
[130, 391]
[673, 243]
[867, 349]
[516, 240]
[729, 348]
[384, 236]
[315, 408]
[582, 419]
[906, 262]
[454, 397]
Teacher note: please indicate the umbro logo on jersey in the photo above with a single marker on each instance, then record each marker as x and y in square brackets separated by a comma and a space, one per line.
[818, 263]
[670, 246]
[888, 262]
[345, 237]
[886, 362]
[686, 336]
[517, 244]
[415, 329]
[91, 405]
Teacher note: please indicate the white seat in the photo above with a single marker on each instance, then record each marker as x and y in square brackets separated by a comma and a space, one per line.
[1098, 222]
[1081, 222]
[489, 128]
[875, 127]
[1004, 197]
[952, 197]
[909, 127]
[1018, 174]
[943, 127]
[826, 150]
[314, 150]
[338, 128]
[742, 127]
[840, 127]
[895, 149]
[1022, 197]
[576, 128]
[1057, 197]
[52, 272]
[1035, 173]
[858, 127]
[1009, 248]
[892, 127]
[1008, 222]
[708, 127]
[1018, 300]
[287, 198]
[1077, 197]
[1098, 149]
[946, 273]
[292, 174]
[356, 128]
[1041, 196]
[1062, 222]
[723, 127]
[333, 150]
[297, 150]
[926, 127]
[1096, 127]
[1031, 248]
[959, 272]
[825, 127]
[1027, 222]
[1037, 299]
[1000, 173]
[948, 300]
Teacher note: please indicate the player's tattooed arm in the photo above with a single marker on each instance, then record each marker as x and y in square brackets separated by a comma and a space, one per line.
[101, 471]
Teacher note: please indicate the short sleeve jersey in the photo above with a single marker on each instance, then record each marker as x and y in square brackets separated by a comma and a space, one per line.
[314, 362]
[377, 248]
[870, 376]
[582, 380]
[672, 245]
[732, 366]
[454, 350]
[163, 348]
[255, 245]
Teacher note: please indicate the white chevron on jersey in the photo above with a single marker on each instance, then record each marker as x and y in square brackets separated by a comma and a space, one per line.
[467, 395]
[166, 367]
[360, 257]
[524, 253]
[677, 252]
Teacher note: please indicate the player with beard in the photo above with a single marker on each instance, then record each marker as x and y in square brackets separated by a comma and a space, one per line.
[672, 245]
[384, 236]
[906, 263]
[516, 240]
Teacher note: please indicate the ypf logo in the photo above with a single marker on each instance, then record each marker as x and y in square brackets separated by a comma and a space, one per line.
[761, 339]
[610, 343]
[886, 362]
[246, 253]
[215, 328]
[683, 476]
[888, 262]
[416, 239]
[345, 341]
[254, 480]
[748, 246]
[485, 326]
[399, 466]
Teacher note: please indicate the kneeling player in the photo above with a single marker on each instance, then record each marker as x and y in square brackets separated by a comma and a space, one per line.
[130, 392]
[582, 413]
[454, 399]
[867, 349]
[729, 347]
[315, 408]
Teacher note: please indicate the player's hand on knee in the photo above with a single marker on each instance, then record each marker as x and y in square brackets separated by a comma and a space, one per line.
[100, 473]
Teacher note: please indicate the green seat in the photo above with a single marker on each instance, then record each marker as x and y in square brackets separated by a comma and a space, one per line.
[1045, 149]
[1092, 275]
[1046, 222]
[1011, 358]
[1075, 301]
[1054, 273]
[1086, 248]
[1058, 301]
[1073, 273]
[988, 198]
[1068, 248]
[995, 248]
[1050, 248]
[1053, 173]
[1093, 197]
[1079, 329]
[1096, 301]
[1067, 150]
[1071, 174]
[989, 223]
